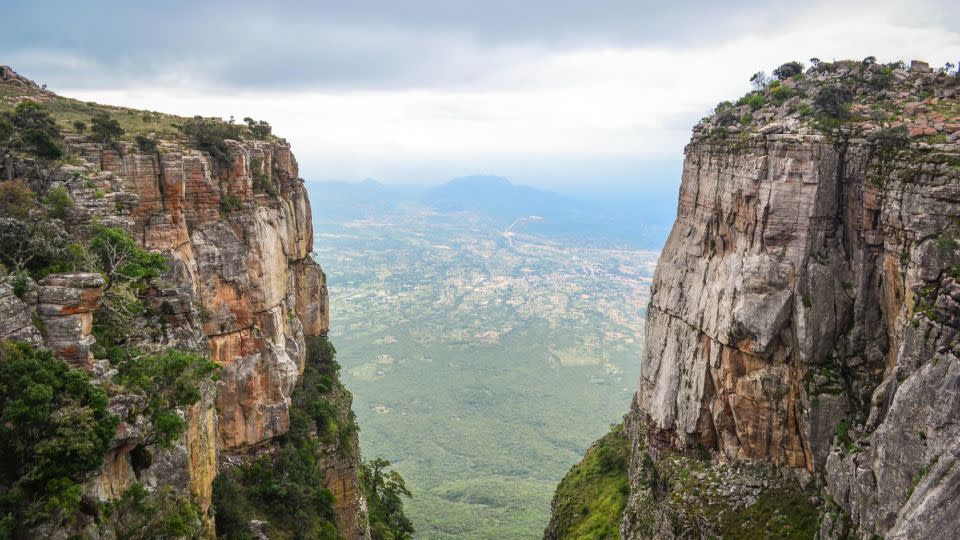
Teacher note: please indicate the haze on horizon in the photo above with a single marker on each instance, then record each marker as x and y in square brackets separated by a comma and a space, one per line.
[570, 96]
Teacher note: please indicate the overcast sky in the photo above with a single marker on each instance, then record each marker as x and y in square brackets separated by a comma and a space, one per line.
[546, 92]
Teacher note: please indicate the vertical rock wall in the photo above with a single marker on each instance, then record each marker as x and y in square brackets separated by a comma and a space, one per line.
[805, 285]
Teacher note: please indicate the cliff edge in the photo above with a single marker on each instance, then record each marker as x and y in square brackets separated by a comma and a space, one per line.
[225, 210]
[801, 373]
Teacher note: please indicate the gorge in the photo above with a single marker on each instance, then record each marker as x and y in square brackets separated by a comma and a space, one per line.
[166, 372]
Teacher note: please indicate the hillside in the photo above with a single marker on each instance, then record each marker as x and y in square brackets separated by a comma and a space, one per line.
[158, 271]
[800, 373]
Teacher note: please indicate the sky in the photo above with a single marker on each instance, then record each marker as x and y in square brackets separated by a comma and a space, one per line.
[573, 96]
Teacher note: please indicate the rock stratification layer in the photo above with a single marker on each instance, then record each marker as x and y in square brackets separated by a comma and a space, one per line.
[241, 287]
[806, 307]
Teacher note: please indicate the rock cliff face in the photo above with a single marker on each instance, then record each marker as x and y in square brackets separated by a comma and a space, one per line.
[804, 315]
[241, 287]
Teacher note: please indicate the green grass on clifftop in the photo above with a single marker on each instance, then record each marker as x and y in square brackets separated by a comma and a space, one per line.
[590, 499]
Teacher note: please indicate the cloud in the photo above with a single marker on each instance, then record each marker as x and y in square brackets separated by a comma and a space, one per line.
[379, 44]
[423, 90]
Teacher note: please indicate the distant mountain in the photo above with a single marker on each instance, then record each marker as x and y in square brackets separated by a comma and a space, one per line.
[637, 222]
[496, 197]
[338, 200]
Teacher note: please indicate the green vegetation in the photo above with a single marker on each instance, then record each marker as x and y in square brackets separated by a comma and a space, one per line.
[285, 488]
[28, 129]
[54, 428]
[590, 499]
[523, 377]
[141, 515]
[259, 130]
[211, 135]
[168, 380]
[788, 70]
[31, 240]
[145, 144]
[383, 491]
[105, 129]
[756, 100]
[690, 493]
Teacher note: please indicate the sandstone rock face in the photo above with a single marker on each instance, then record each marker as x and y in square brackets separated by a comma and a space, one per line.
[805, 314]
[65, 306]
[242, 288]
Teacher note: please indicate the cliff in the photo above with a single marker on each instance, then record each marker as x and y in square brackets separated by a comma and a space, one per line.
[800, 373]
[239, 286]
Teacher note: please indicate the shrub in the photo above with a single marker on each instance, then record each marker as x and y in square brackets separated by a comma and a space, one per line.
[20, 284]
[756, 100]
[54, 428]
[16, 199]
[31, 243]
[80, 126]
[834, 101]
[785, 71]
[230, 202]
[141, 515]
[120, 259]
[167, 380]
[146, 144]
[58, 203]
[105, 128]
[31, 130]
[211, 136]
[383, 491]
[260, 130]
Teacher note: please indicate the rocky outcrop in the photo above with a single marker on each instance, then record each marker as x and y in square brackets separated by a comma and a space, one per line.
[804, 312]
[241, 287]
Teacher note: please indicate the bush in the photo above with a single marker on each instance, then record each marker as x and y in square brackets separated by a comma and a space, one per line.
[260, 130]
[785, 71]
[31, 130]
[756, 100]
[80, 126]
[141, 515]
[230, 202]
[120, 259]
[16, 199]
[54, 428]
[383, 491]
[211, 136]
[105, 128]
[31, 243]
[834, 101]
[167, 380]
[58, 203]
[146, 144]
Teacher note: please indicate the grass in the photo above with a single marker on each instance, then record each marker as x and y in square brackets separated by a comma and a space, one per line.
[591, 497]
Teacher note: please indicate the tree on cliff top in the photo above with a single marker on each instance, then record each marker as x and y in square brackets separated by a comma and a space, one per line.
[31, 130]
[105, 128]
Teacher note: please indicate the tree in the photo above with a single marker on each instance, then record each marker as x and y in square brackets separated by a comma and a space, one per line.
[54, 428]
[31, 130]
[16, 199]
[211, 136]
[834, 101]
[260, 130]
[787, 70]
[32, 239]
[759, 80]
[80, 126]
[383, 491]
[105, 128]
[120, 258]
